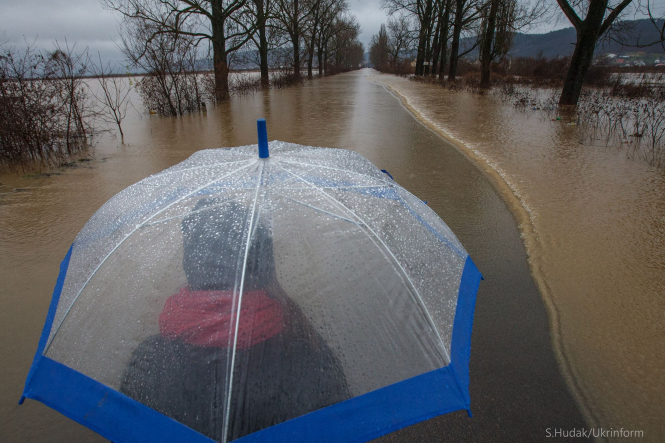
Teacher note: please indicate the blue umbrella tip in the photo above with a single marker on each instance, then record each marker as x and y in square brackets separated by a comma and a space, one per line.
[263, 138]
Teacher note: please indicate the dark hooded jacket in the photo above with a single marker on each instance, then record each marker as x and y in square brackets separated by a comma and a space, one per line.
[282, 368]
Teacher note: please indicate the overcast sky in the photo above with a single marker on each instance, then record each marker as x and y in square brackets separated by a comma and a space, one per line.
[86, 24]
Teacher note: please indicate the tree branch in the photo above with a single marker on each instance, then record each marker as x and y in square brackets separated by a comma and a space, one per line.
[571, 14]
[613, 15]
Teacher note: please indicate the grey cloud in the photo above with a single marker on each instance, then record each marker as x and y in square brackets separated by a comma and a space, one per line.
[83, 23]
[370, 16]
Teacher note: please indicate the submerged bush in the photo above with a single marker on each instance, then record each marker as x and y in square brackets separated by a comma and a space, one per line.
[632, 114]
[44, 107]
[172, 93]
[283, 79]
[628, 111]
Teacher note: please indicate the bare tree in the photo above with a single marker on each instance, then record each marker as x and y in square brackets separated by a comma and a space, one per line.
[328, 26]
[423, 13]
[504, 18]
[172, 85]
[313, 30]
[323, 13]
[113, 95]
[262, 12]
[444, 36]
[487, 42]
[265, 42]
[343, 47]
[45, 111]
[467, 14]
[599, 18]
[441, 29]
[426, 13]
[433, 27]
[225, 24]
[66, 69]
[292, 18]
[400, 37]
[379, 50]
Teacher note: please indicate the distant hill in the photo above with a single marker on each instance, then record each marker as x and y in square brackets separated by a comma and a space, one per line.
[561, 43]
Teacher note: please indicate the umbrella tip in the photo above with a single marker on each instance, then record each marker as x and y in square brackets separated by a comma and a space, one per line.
[263, 138]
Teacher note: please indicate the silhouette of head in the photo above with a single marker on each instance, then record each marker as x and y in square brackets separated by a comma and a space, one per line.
[215, 240]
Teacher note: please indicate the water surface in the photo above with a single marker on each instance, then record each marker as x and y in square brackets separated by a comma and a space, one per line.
[516, 387]
[593, 221]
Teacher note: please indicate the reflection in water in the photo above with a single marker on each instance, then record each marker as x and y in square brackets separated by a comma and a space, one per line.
[40, 216]
[594, 223]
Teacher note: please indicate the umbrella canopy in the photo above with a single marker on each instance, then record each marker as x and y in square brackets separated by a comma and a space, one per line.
[300, 294]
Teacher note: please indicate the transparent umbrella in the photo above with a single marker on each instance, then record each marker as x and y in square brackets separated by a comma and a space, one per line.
[297, 295]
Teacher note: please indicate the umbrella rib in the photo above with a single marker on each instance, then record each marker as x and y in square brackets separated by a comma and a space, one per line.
[162, 173]
[240, 291]
[334, 200]
[393, 183]
[126, 237]
[343, 187]
[318, 209]
[207, 208]
[452, 246]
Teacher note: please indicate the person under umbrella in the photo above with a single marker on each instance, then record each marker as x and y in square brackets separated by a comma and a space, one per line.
[183, 372]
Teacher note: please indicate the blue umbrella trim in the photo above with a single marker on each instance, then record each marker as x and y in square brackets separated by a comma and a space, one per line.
[46, 331]
[399, 405]
[104, 410]
[122, 419]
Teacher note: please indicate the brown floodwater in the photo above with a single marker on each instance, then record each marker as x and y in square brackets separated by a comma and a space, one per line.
[593, 222]
[597, 226]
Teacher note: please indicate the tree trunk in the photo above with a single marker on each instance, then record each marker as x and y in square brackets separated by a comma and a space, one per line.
[587, 36]
[444, 39]
[220, 64]
[579, 66]
[422, 38]
[296, 57]
[486, 50]
[221, 76]
[395, 56]
[428, 52]
[310, 55]
[295, 38]
[319, 57]
[437, 39]
[263, 44]
[325, 61]
[310, 63]
[457, 30]
[420, 56]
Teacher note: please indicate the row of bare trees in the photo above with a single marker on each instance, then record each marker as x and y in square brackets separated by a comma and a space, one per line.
[433, 32]
[437, 33]
[48, 108]
[281, 33]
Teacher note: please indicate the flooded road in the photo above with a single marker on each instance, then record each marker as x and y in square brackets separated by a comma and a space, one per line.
[517, 390]
[593, 222]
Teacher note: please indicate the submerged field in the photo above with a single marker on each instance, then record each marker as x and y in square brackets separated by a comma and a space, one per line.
[591, 217]
[517, 390]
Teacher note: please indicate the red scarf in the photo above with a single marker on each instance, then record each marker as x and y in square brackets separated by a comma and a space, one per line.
[205, 318]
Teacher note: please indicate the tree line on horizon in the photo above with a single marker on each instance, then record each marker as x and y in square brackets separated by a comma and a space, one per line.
[48, 111]
[432, 32]
[285, 31]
